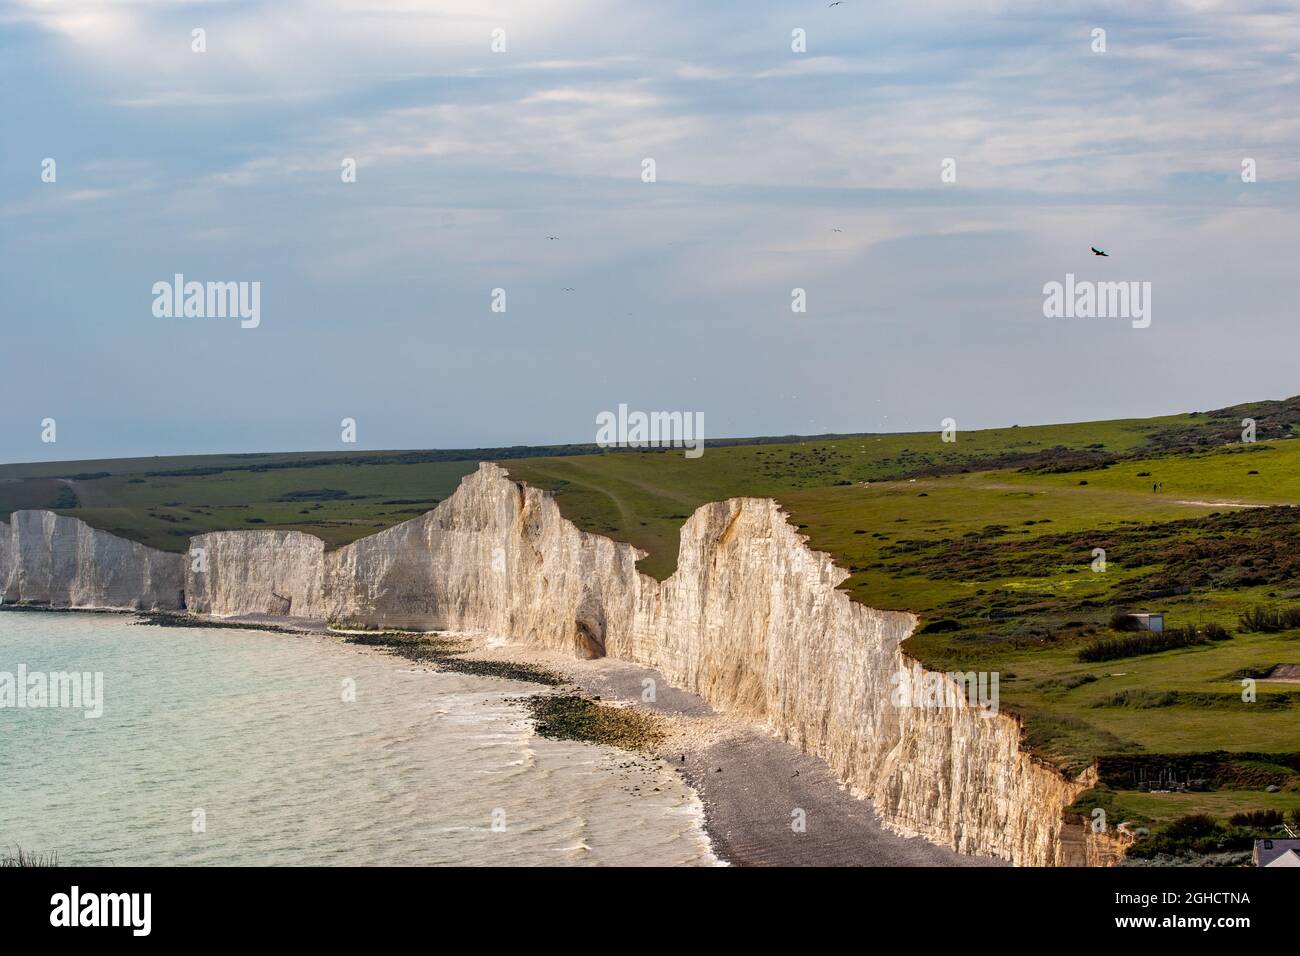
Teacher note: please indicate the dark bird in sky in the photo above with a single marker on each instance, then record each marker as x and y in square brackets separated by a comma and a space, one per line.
[1098, 252]
[567, 288]
[837, 3]
[552, 237]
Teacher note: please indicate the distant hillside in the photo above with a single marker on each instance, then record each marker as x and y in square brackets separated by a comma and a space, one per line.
[639, 496]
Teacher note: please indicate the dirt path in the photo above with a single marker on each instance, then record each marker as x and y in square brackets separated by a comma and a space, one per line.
[1228, 504]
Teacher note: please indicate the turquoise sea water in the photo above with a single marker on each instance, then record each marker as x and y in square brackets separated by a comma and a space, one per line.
[252, 729]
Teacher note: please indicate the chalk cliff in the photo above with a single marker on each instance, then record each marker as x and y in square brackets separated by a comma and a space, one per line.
[49, 559]
[751, 620]
[256, 572]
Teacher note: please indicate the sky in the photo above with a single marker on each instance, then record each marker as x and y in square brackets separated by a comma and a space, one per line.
[774, 170]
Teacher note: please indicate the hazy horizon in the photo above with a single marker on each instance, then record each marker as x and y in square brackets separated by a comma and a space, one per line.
[720, 439]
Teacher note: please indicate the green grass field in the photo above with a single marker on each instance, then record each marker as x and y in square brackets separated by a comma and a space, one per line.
[990, 539]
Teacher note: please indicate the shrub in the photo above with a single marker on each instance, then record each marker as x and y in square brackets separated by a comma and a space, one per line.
[1258, 819]
[1196, 834]
[1216, 632]
[1191, 825]
[1124, 621]
[1142, 699]
[1148, 642]
[25, 858]
[1268, 620]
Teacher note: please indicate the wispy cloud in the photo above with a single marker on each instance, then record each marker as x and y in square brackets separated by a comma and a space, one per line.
[775, 169]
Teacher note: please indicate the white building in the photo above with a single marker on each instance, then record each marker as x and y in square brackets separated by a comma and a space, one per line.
[1150, 622]
[1276, 853]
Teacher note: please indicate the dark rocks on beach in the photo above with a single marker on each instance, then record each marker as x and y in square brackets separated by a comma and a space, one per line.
[576, 717]
[169, 619]
[447, 655]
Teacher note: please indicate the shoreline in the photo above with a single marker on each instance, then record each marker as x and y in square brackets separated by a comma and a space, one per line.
[765, 802]
[750, 782]
[313, 752]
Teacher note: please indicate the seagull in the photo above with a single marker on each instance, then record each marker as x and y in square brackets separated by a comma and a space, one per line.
[552, 237]
[837, 230]
[1098, 252]
[567, 288]
[836, 3]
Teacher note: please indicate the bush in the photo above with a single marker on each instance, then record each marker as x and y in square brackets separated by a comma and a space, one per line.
[1216, 632]
[25, 858]
[1191, 825]
[1268, 620]
[1124, 621]
[1144, 699]
[1257, 819]
[1150, 642]
[1197, 834]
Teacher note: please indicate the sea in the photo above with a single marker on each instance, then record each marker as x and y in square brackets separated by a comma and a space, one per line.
[227, 747]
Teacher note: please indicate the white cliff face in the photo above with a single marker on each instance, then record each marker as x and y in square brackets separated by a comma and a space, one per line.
[430, 572]
[751, 620]
[497, 558]
[62, 562]
[256, 572]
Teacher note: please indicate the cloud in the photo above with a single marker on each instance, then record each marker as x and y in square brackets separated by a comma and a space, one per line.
[323, 45]
[227, 165]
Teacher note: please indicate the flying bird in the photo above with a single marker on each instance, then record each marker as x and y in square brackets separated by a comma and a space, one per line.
[552, 237]
[837, 3]
[567, 288]
[837, 230]
[1098, 252]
